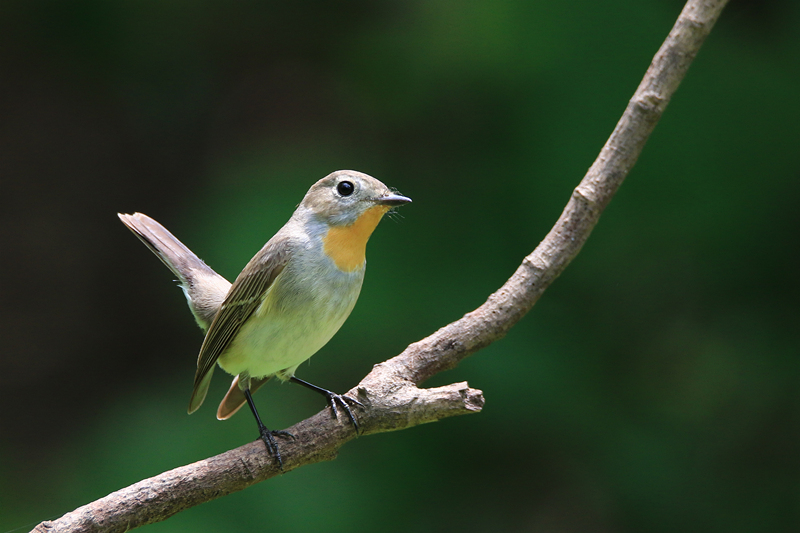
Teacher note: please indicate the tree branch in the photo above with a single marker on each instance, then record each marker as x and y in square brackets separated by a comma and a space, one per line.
[390, 391]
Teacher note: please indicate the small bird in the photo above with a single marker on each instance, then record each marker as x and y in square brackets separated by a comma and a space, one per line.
[289, 300]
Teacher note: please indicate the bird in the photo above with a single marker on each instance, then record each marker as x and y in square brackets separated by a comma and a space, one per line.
[290, 298]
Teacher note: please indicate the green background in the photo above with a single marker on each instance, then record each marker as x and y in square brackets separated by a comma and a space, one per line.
[654, 387]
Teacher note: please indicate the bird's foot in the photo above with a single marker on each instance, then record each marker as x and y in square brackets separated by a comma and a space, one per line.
[333, 398]
[272, 446]
[342, 399]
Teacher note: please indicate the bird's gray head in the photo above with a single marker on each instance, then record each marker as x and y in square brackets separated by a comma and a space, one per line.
[341, 198]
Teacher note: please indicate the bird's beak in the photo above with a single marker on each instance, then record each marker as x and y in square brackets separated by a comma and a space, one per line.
[392, 200]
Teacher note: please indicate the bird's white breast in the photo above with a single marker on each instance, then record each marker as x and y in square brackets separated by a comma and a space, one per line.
[305, 306]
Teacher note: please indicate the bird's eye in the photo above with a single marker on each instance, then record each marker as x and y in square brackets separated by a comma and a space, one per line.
[345, 188]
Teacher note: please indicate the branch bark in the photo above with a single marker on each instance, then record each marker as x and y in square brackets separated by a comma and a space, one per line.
[390, 392]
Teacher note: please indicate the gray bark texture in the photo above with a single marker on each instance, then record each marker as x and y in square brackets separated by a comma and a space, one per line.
[390, 392]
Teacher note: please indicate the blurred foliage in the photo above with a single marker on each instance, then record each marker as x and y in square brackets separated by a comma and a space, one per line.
[653, 388]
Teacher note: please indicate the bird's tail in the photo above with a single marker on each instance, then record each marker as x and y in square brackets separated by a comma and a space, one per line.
[235, 399]
[205, 290]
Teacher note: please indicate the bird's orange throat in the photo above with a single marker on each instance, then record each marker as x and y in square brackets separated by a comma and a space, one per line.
[347, 245]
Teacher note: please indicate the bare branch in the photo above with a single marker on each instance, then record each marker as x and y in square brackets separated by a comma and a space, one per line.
[390, 392]
[317, 439]
[490, 322]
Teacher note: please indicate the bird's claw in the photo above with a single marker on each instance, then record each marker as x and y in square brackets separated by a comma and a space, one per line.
[272, 446]
[343, 399]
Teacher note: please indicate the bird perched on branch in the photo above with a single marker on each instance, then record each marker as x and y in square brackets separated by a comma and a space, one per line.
[289, 300]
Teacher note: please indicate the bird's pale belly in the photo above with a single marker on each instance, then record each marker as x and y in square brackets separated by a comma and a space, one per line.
[291, 326]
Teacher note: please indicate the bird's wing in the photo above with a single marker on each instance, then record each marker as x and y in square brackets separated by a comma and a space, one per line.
[246, 294]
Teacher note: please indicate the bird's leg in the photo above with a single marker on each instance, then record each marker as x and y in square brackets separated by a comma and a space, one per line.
[332, 398]
[266, 435]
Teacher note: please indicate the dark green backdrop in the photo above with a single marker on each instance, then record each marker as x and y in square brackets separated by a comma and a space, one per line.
[654, 387]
